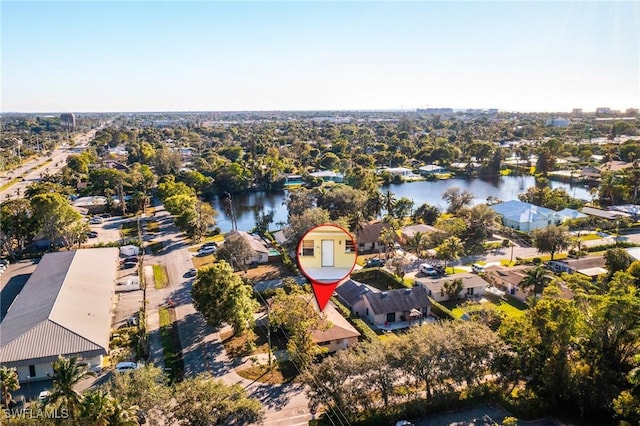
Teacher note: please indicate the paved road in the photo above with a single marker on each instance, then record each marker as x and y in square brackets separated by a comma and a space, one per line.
[202, 349]
[32, 169]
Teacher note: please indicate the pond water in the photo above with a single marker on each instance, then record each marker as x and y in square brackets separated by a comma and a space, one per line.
[505, 188]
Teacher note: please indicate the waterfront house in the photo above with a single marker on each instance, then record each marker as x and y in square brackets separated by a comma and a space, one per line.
[603, 214]
[568, 214]
[525, 216]
[431, 169]
[408, 232]
[368, 236]
[329, 176]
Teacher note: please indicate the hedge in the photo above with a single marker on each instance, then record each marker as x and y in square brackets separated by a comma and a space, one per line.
[441, 311]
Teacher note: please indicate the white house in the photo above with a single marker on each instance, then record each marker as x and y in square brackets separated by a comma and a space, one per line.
[63, 309]
[431, 169]
[526, 217]
[472, 285]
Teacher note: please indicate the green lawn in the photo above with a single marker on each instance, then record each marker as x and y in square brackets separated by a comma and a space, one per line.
[504, 306]
[587, 237]
[453, 270]
[160, 278]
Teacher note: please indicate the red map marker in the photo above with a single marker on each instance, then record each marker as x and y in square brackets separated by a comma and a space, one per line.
[326, 255]
[323, 292]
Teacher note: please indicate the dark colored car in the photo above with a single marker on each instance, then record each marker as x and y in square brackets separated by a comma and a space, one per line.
[131, 259]
[374, 263]
[92, 234]
[128, 265]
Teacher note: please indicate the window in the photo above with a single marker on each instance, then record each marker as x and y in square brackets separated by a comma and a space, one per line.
[307, 248]
[32, 371]
[391, 317]
[470, 291]
[349, 246]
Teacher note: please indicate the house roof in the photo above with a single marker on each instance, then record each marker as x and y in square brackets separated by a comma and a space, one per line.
[614, 166]
[399, 300]
[571, 214]
[254, 241]
[340, 328]
[605, 214]
[64, 308]
[410, 231]
[351, 291]
[521, 212]
[370, 232]
[431, 168]
[468, 281]
[511, 275]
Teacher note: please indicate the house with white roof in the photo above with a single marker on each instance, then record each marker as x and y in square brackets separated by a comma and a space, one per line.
[431, 169]
[525, 216]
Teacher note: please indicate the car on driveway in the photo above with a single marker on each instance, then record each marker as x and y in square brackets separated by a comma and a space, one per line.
[44, 395]
[192, 272]
[374, 263]
[428, 269]
[130, 259]
[477, 268]
[209, 245]
[92, 234]
[96, 221]
[125, 366]
[206, 251]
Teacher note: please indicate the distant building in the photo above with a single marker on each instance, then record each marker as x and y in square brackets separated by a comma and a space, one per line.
[441, 111]
[576, 111]
[558, 122]
[68, 120]
[329, 176]
[603, 110]
[431, 169]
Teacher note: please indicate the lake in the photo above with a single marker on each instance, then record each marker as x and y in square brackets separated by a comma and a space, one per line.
[505, 188]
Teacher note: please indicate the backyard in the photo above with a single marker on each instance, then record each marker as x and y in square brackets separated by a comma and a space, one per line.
[509, 307]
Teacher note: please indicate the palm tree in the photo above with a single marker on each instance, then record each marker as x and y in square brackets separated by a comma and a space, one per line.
[67, 372]
[375, 203]
[8, 383]
[537, 279]
[388, 201]
[97, 407]
[417, 242]
[450, 249]
[387, 237]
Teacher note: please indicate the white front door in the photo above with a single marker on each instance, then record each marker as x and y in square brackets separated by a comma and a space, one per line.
[327, 253]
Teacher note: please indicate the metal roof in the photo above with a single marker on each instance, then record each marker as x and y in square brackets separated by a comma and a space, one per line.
[64, 308]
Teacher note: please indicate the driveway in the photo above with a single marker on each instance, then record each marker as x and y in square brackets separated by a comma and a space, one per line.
[202, 349]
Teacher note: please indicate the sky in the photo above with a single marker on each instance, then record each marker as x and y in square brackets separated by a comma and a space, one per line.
[90, 56]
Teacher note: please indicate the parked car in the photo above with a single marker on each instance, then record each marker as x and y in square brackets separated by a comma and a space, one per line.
[206, 251]
[209, 245]
[130, 259]
[373, 263]
[105, 216]
[128, 265]
[192, 272]
[429, 270]
[96, 221]
[125, 366]
[44, 395]
[92, 234]
[477, 268]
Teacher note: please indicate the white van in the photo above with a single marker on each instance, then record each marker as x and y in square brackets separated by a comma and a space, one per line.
[427, 269]
[477, 268]
[121, 367]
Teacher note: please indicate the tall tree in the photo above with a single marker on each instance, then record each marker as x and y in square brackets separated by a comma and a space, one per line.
[54, 214]
[551, 239]
[204, 400]
[450, 249]
[221, 296]
[457, 199]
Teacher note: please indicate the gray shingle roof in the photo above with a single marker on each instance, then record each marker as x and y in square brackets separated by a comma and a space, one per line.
[351, 291]
[64, 308]
[400, 300]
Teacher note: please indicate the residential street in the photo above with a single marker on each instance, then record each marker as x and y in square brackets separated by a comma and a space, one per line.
[201, 346]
